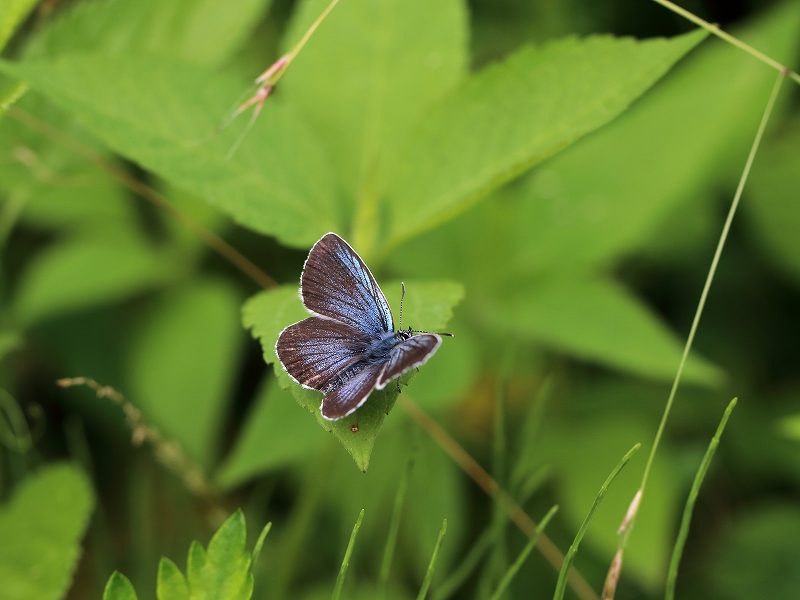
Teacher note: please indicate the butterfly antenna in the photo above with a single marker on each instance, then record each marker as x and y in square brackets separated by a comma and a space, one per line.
[402, 295]
[435, 332]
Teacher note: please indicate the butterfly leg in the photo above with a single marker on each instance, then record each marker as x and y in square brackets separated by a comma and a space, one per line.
[399, 390]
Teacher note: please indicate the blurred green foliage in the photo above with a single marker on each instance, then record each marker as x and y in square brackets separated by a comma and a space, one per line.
[549, 189]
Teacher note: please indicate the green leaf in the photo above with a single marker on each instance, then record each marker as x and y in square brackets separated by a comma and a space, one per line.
[755, 557]
[171, 584]
[82, 273]
[14, 13]
[268, 313]
[205, 32]
[163, 114]
[274, 435]
[773, 188]
[598, 321]
[89, 201]
[224, 571]
[184, 361]
[119, 587]
[512, 115]
[366, 73]
[41, 528]
[607, 195]
[9, 341]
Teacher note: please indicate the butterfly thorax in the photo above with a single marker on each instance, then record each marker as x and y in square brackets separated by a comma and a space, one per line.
[377, 352]
[381, 347]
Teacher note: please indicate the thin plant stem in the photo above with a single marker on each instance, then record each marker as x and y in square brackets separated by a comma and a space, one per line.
[14, 432]
[709, 279]
[498, 561]
[523, 556]
[394, 529]
[710, 27]
[683, 532]
[485, 481]
[628, 523]
[561, 585]
[337, 590]
[426, 583]
[467, 566]
[11, 95]
[168, 452]
[148, 193]
[310, 31]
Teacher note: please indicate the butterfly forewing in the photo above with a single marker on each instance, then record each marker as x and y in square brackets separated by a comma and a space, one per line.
[316, 350]
[347, 398]
[408, 354]
[337, 284]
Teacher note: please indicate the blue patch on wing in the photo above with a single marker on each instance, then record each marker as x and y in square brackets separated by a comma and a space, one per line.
[337, 284]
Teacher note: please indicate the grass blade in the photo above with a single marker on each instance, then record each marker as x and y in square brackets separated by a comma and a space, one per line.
[337, 590]
[683, 532]
[260, 544]
[561, 585]
[467, 566]
[426, 583]
[394, 529]
[512, 570]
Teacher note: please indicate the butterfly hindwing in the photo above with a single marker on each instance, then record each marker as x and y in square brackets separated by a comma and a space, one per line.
[352, 394]
[408, 354]
[316, 350]
[336, 283]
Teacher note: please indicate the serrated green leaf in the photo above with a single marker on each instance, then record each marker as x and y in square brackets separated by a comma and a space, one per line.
[274, 435]
[14, 13]
[224, 571]
[119, 587]
[367, 72]
[512, 115]
[41, 528]
[428, 305]
[278, 182]
[183, 363]
[599, 321]
[269, 312]
[82, 273]
[171, 584]
[606, 195]
[204, 32]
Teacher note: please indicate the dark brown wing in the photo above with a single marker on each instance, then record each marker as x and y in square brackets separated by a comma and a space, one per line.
[352, 394]
[408, 354]
[317, 349]
[337, 284]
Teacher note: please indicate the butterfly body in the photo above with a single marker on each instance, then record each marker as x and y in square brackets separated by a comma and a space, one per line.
[348, 347]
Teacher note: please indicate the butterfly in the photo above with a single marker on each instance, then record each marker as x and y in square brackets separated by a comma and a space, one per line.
[349, 346]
